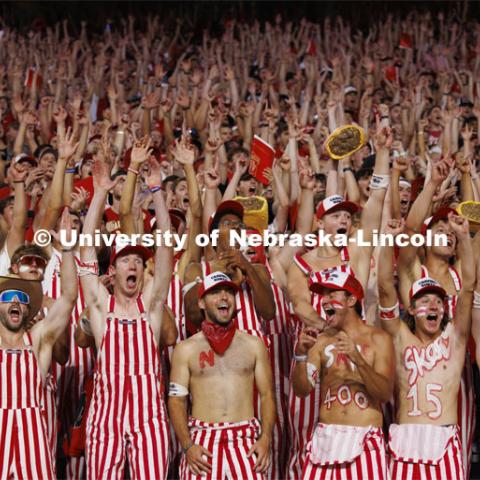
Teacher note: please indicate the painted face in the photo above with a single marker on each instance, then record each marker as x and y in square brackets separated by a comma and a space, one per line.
[335, 306]
[30, 267]
[254, 254]
[428, 313]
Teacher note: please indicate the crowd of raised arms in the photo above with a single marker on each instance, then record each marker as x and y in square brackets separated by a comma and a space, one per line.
[227, 361]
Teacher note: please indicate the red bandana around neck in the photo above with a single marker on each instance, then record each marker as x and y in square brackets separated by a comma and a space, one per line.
[219, 337]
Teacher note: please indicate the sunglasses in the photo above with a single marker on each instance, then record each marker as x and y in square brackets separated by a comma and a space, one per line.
[33, 259]
[11, 296]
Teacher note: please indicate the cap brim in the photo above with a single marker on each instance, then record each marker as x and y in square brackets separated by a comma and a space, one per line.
[319, 288]
[345, 205]
[144, 252]
[430, 289]
[223, 283]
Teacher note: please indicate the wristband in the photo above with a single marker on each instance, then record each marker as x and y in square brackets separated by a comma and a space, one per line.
[155, 188]
[188, 447]
[389, 313]
[476, 300]
[347, 169]
[300, 358]
[384, 116]
[67, 249]
[130, 169]
[19, 181]
[177, 390]
[121, 132]
[421, 133]
[379, 182]
[88, 268]
[70, 170]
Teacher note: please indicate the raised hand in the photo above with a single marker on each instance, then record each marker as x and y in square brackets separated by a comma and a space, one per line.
[395, 227]
[459, 225]
[307, 179]
[141, 151]
[67, 146]
[306, 340]
[211, 178]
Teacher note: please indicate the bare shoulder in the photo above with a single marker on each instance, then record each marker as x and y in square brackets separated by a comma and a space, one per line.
[378, 335]
[250, 341]
[190, 345]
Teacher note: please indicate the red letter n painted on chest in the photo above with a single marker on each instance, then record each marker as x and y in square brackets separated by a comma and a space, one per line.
[206, 357]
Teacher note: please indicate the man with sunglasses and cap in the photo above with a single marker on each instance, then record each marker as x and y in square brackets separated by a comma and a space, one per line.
[219, 367]
[355, 365]
[25, 359]
[430, 353]
[127, 414]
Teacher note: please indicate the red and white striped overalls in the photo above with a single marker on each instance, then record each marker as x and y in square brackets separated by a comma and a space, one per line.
[68, 380]
[280, 332]
[23, 430]
[303, 412]
[127, 413]
[175, 302]
[466, 411]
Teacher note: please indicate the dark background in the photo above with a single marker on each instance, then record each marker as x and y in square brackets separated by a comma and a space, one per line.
[211, 15]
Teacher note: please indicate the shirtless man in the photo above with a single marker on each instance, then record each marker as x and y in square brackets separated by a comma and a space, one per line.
[219, 367]
[25, 359]
[430, 353]
[127, 415]
[355, 364]
[334, 216]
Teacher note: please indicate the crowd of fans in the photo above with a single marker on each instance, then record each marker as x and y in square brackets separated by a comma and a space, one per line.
[140, 126]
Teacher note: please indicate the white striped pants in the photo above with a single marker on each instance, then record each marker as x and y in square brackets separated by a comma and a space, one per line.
[281, 348]
[24, 445]
[229, 444]
[450, 467]
[371, 464]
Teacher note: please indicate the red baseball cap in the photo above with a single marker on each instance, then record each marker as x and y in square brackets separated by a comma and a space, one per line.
[441, 214]
[125, 248]
[214, 280]
[228, 206]
[334, 203]
[336, 279]
[425, 285]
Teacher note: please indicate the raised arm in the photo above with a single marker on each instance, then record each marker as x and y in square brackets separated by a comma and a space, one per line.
[52, 327]
[299, 294]
[306, 370]
[387, 295]
[94, 291]
[372, 211]
[156, 292]
[463, 312]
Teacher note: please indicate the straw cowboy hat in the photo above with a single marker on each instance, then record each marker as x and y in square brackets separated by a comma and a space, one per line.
[32, 288]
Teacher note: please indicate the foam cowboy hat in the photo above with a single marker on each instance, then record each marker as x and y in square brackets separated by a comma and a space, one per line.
[32, 288]
[345, 141]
